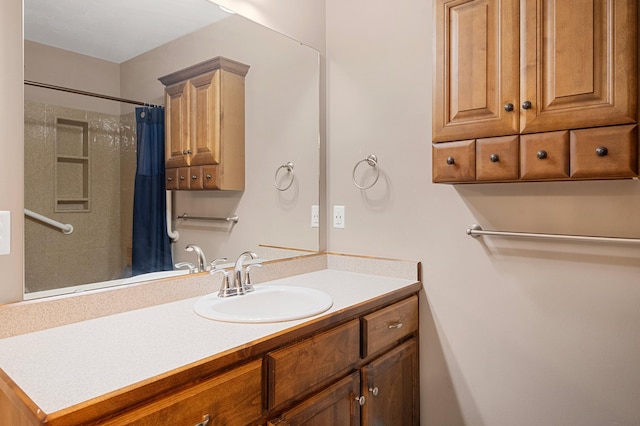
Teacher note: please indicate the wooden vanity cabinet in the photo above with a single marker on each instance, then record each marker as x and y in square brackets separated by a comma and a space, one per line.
[379, 385]
[358, 366]
[529, 67]
[204, 125]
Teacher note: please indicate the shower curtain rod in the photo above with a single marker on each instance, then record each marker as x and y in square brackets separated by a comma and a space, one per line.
[84, 93]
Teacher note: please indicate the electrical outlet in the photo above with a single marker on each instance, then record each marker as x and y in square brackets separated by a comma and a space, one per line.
[315, 216]
[338, 217]
[5, 232]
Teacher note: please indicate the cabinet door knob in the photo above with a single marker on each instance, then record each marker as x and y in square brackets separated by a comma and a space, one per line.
[542, 154]
[374, 391]
[601, 151]
[494, 158]
[187, 152]
[360, 400]
[526, 105]
[508, 107]
[451, 161]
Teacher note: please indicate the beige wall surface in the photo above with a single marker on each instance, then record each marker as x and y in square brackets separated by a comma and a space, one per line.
[513, 332]
[11, 160]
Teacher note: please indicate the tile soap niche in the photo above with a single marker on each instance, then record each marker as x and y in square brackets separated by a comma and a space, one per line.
[72, 166]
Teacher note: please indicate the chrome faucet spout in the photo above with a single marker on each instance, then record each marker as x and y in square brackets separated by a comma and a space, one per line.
[202, 261]
[239, 271]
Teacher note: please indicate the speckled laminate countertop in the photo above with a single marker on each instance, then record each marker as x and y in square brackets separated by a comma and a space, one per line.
[67, 365]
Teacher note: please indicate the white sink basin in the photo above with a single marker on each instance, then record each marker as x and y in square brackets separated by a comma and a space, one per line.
[265, 304]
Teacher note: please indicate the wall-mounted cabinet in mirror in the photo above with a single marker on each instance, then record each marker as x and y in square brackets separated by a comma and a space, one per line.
[281, 125]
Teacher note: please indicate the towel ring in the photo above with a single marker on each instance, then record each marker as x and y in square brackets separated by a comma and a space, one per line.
[372, 160]
[289, 167]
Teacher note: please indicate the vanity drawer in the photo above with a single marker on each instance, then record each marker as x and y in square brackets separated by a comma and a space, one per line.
[544, 156]
[604, 152]
[306, 366]
[386, 326]
[171, 176]
[497, 158]
[231, 398]
[454, 161]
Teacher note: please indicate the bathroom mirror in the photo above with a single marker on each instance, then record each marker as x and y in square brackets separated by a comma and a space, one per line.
[80, 150]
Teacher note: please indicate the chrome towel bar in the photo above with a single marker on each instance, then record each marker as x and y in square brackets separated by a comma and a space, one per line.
[233, 219]
[477, 231]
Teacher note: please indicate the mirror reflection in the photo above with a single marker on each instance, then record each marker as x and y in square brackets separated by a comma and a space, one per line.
[80, 151]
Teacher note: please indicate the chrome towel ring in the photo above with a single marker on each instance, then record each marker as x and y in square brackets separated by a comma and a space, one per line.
[289, 167]
[372, 160]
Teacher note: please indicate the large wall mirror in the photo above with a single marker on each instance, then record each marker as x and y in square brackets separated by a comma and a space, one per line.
[80, 151]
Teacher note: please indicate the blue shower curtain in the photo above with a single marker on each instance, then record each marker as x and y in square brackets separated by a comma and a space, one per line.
[151, 245]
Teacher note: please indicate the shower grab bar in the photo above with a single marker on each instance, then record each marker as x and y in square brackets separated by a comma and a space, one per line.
[66, 228]
[174, 235]
[233, 219]
[476, 231]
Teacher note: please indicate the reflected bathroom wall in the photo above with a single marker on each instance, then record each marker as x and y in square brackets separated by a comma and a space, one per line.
[80, 171]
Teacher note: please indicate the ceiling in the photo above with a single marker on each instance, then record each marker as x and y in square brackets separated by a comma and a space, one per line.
[115, 30]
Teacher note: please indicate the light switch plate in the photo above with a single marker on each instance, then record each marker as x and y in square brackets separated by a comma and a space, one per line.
[338, 217]
[5, 232]
[315, 216]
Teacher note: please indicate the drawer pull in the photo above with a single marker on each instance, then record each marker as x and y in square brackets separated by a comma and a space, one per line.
[374, 391]
[601, 151]
[204, 422]
[209, 176]
[170, 179]
[542, 154]
[361, 400]
[181, 177]
[194, 177]
[451, 161]
[396, 325]
[494, 158]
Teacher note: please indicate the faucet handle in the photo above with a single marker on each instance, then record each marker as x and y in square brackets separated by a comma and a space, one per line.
[248, 285]
[214, 262]
[181, 265]
[225, 287]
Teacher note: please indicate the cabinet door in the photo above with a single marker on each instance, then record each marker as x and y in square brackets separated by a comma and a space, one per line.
[390, 386]
[336, 405]
[206, 116]
[178, 125]
[477, 72]
[579, 63]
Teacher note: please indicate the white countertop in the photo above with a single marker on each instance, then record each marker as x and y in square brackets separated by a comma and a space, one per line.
[63, 366]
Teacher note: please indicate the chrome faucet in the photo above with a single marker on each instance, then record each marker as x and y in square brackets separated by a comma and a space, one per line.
[240, 282]
[202, 261]
[241, 275]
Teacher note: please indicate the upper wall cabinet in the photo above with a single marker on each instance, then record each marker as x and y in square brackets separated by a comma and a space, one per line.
[204, 107]
[505, 67]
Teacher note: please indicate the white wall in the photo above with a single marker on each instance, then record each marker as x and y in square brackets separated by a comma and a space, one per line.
[512, 332]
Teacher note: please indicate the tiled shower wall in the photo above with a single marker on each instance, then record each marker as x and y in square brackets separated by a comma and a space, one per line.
[94, 251]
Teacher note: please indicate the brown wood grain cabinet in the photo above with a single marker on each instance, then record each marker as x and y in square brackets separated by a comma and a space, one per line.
[382, 386]
[204, 125]
[358, 366]
[529, 67]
